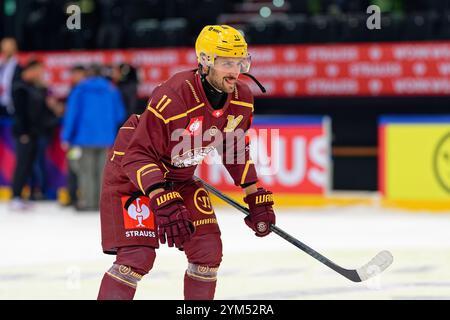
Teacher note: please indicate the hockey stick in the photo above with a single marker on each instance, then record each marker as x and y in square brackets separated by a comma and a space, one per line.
[374, 267]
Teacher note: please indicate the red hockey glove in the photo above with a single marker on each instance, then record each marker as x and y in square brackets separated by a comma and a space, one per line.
[172, 218]
[261, 212]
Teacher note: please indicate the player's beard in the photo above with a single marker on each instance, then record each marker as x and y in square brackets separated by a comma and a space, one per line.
[226, 84]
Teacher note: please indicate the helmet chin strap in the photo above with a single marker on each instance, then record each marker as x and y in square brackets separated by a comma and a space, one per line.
[204, 75]
[200, 71]
[219, 91]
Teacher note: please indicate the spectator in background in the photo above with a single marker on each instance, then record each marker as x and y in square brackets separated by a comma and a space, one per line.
[126, 79]
[9, 73]
[29, 97]
[77, 75]
[93, 114]
[51, 115]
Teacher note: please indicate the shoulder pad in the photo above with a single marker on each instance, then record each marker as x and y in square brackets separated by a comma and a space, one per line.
[168, 106]
[131, 122]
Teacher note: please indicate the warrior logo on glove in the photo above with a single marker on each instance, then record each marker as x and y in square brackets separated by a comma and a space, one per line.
[172, 218]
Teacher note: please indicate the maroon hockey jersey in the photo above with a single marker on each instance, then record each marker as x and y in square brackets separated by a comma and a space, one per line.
[179, 128]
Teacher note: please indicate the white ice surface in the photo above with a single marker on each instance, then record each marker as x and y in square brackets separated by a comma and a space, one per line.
[54, 253]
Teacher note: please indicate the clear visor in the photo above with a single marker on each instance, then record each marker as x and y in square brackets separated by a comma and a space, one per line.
[232, 65]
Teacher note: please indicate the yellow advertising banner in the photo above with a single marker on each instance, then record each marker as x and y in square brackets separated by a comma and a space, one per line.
[415, 158]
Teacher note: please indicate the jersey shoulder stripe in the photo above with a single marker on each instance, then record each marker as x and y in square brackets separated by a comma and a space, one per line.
[242, 104]
[175, 98]
[175, 117]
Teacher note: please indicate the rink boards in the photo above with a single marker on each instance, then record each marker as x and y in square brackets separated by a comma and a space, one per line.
[292, 155]
[414, 161]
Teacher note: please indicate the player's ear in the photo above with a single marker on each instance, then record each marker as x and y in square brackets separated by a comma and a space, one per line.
[205, 70]
[204, 63]
[203, 60]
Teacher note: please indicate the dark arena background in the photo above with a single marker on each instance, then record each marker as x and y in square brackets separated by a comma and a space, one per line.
[357, 153]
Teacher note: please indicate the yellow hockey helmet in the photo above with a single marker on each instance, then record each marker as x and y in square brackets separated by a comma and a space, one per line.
[221, 41]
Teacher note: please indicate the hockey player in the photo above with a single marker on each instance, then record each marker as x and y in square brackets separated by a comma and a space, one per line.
[149, 195]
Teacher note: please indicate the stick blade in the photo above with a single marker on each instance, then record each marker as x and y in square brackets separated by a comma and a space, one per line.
[375, 266]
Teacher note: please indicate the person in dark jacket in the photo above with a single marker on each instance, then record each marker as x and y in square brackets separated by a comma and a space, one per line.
[29, 97]
[126, 78]
[51, 115]
[10, 71]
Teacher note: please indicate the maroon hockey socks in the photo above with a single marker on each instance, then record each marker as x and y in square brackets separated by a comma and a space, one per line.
[119, 283]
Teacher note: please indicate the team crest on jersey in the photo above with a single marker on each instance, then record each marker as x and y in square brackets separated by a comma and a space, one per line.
[192, 157]
[232, 123]
[138, 214]
[195, 126]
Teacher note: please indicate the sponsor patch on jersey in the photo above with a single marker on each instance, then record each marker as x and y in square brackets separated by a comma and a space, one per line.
[140, 233]
[138, 215]
[195, 126]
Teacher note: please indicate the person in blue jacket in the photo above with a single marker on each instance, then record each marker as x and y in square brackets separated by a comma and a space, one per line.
[94, 112]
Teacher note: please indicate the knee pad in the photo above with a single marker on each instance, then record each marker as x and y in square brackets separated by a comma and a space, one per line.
[202, 272]
[139, 258]
[205, 250]
[125, 275]
[205, 255]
